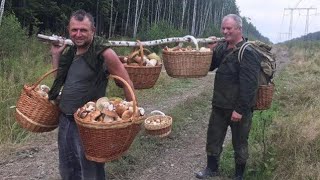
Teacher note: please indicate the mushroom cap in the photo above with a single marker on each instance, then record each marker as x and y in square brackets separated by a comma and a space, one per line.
[44, 88]
[91, 103]
[127, 115]
[120, 109]
[101, 102]
[94, 115]
[110, 113]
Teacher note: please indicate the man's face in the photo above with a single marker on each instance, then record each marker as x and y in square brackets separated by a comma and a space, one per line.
[81, 32]
[230, 30]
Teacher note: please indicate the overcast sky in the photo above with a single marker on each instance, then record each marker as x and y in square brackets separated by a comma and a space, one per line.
[273, 21]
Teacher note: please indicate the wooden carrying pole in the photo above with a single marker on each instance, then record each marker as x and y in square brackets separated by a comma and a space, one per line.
[60, 40]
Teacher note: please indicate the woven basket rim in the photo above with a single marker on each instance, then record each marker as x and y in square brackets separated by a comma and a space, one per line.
[29, 90]
[188, 52]
[104, 125]
[143, 67]
[115, 124]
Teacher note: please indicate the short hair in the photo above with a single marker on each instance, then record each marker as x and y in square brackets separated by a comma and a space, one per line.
[81, 14]
[235, 17]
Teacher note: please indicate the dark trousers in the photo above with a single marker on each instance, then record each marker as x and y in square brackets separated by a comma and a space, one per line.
[219, 121]
[73, 164]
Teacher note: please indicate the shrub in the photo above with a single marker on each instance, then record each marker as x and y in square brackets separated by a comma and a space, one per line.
[12, 36]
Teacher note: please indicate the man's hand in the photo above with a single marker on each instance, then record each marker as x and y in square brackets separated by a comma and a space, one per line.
[56, 50]
[236, 117]
[214, 44]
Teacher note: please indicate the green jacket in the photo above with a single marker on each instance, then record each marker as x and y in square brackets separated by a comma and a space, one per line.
[93, 57]
[236, 83]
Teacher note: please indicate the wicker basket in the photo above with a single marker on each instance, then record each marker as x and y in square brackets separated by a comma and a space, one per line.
[105, 142]
[264, 96]
[143, 77]
[158, 130]
[189, 64]
[186, 63]
[35, 113]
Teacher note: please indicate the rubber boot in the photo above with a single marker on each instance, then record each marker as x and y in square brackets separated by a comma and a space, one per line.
[240, 168]
[211, 170]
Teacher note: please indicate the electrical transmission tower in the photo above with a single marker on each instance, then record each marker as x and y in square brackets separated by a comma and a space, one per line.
[291, 18]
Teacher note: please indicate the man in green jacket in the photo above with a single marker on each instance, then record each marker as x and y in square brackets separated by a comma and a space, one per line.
[235, 88]
[82, 72]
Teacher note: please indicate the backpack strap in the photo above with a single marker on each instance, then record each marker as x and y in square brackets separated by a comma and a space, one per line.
[225, 57]
[241, 51]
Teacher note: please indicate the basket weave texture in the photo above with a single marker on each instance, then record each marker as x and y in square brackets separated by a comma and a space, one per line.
[105, 142]
[190, 64]
[264, 97]
[35, 113]
[143, 77]
[158, 130]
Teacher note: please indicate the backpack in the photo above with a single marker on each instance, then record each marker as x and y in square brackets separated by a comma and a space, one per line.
[268, 68]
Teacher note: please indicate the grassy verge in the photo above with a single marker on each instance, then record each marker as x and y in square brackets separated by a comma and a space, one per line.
[24, 68]
[296, 138]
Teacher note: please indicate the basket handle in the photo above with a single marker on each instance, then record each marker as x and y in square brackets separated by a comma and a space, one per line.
[131, 92]
[141, 50]
[157, 112]
[39, 80]
[193, 39]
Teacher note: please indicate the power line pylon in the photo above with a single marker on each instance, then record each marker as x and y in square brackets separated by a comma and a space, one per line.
[291, 18]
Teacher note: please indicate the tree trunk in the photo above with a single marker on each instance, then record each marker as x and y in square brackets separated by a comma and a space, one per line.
[1, 10]
[184, 6]
[111, 12]
[193, 27]
[136, 20]
[115, 24]
[128, 15]
[97, 18]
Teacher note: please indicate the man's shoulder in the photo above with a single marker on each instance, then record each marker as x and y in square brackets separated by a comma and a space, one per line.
[100, 44]
[98, 40]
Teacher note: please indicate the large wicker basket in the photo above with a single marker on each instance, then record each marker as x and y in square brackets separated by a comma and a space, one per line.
[264, 97]
[35, 113]
[188, 64]
[162, 129]
[143, 77]
[105, 142]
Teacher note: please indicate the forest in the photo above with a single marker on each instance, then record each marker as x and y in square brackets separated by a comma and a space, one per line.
[129, 18]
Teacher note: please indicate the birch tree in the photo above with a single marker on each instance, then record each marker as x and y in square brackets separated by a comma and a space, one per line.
[193, 27]
[137, 17]
[1, 10]
[184, 6]
[128, 15]
[111, 13]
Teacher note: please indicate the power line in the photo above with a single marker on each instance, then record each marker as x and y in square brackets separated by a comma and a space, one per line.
[291, 18]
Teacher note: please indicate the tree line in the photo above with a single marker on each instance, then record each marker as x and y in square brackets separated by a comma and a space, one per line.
[128, 18]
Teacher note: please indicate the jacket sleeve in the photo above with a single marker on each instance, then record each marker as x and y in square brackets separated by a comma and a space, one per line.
[248, 78]
[64, 64]
[216, 57]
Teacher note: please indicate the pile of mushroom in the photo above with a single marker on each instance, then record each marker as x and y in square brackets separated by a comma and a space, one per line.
[188, 48]
[158, 121]
[146, 60]
[107, 110]
[43, 90]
